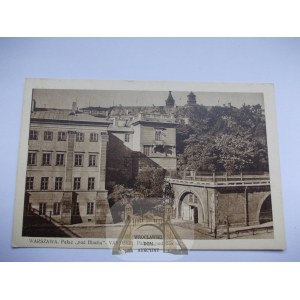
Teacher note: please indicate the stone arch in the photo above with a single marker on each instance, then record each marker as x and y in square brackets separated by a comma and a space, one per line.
[264, 203]
[200, 207]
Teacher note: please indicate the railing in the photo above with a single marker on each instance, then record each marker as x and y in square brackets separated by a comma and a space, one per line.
[223, 183]
[155, 117]
[34, 211]
[219, 179]
[253, 231]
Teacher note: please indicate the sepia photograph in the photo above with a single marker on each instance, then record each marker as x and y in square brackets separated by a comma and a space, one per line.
[150, 167]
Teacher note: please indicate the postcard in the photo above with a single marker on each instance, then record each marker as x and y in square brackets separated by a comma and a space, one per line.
[148, 166]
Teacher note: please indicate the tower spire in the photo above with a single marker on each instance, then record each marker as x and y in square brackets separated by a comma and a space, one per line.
[170, 102]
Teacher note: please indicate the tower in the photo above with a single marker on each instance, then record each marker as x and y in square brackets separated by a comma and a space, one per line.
[191, 99]
[170, 102]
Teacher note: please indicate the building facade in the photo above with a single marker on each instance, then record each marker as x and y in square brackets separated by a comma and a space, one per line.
[66, 167]
[75, 155]
[145, 140]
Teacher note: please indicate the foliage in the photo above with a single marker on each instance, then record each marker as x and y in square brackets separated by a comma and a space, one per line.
[222, 138]
[149, 182]
[120, 193]
[141, 204]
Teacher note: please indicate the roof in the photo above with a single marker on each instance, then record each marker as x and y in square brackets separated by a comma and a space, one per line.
[154, 119]
[66, 116]
[170, 101]
[98, 108]
[120, 129]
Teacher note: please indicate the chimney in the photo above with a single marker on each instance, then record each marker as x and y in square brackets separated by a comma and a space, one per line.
[116, 122]
[74, 107]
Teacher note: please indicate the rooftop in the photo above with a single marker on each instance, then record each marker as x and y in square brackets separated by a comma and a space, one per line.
[154, 118]
[66, 115]
[120, 129]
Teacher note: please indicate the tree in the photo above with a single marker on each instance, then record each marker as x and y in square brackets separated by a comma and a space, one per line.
[222, 139]
[237, 153]
[120, 193]
[149, 182]
[119, 197]
[199, 154]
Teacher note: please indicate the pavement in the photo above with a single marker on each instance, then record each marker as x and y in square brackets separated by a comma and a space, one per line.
[185, 231]
[249, 232]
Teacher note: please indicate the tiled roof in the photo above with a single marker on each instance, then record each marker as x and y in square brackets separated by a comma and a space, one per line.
[66, 115]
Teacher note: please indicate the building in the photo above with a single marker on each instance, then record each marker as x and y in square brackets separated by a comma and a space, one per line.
[170, 102]
[66, 169]
[191, 99]
[75, 155]
[155, 137]
[145, 140]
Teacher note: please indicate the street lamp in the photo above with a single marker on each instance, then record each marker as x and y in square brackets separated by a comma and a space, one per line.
[211, 211]
[216, 214]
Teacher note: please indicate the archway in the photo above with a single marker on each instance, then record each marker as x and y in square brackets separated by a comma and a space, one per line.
[265, 212]
[190, 208]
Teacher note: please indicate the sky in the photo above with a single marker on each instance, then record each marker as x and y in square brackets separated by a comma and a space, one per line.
[64, 98]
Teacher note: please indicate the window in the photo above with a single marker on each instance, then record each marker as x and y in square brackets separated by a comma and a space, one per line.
[46, 159]
[78, 160]
[79, 137]
[56, 208]
[48, 135]
[29, 183]
[93, 137]
[42, 208]
[147, 150]
[75, 209]
[90, 208]
[58, 183]
[31, 159]
[61, 136]
[158, 135]
[44, 183]
[92, 160]
[77, 183]
[33, 135]
[127, 136]
[59, 159]
[91, 183]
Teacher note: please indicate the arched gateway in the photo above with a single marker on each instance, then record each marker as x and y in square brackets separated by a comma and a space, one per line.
[264, 210]
[190, 207]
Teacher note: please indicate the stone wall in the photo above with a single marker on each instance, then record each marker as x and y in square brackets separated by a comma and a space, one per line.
[241, 206]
